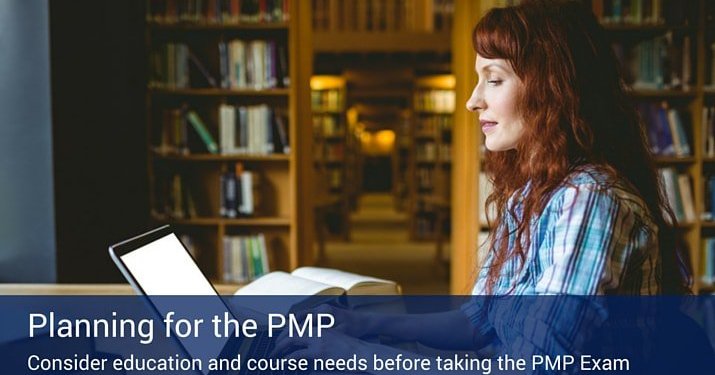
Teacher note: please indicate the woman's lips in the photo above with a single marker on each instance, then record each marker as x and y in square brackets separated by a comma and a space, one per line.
[488, 125]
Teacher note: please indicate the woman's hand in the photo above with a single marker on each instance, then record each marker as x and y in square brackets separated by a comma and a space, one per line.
[332, 345]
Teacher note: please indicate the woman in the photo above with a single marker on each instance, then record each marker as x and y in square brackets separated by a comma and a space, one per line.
[580, 208]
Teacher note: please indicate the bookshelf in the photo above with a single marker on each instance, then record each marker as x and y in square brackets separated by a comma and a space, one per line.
[382, 25]
[431, 155]
[228, 124]
[683, 32]
[332, 151]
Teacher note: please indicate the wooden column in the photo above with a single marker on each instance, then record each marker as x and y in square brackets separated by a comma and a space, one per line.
[465, 144]
[301, 69]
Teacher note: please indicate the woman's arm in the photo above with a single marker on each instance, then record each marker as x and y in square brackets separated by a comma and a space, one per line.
[443, 330]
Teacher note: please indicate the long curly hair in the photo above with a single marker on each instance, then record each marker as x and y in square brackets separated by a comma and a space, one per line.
[576, 111]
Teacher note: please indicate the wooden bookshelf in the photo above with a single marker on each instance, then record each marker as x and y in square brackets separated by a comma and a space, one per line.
[282, 173]
[332, 152]
[431, 156]
[691, 100]
[387, 25]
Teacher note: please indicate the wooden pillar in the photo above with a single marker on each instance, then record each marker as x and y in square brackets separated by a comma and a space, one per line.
[465, 144]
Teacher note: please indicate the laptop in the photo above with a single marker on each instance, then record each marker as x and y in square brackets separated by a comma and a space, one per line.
[156, 263]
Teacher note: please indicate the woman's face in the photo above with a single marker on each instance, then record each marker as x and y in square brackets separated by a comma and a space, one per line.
[495, 100]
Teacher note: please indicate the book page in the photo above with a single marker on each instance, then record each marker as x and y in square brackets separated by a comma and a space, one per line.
[279, 283]
[342, 279]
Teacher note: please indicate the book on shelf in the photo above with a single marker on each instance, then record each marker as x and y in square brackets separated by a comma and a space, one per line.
[205, 73]
[708, 130]
[709, 189]
[176, 66]
[198, 125]
[174, 137]
[253, 64]
[257, 130]
[245, 258]
[169, 66]
[175, 197]
[316, 281]
[679, 192]
[708, 261]
[217, 11]
[240, 192]
[666, 129]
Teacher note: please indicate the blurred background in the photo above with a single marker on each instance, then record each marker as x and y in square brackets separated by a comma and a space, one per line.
[273, 134]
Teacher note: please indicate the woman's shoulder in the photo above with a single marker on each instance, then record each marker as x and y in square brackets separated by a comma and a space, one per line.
[597, 184]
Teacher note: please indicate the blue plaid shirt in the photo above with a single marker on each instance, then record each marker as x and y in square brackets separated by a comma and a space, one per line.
[593, 238]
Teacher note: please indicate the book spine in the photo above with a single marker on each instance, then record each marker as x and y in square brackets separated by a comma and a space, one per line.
[203, 132]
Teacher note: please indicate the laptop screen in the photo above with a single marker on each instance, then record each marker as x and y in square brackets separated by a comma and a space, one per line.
[163, 267]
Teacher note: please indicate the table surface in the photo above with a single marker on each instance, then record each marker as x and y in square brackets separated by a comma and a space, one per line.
[86, 289]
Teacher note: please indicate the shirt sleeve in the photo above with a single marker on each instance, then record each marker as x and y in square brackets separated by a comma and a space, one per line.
[590, 239]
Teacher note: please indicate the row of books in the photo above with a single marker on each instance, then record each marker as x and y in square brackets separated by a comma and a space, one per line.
[666, 129]
[242, 130]
[435, 101]
[255, 64]
[431, 151]
[432, 125]
[239, 190]
[327, 100]
[708, 129]
[244, 258]
[242, 64]
[637, 12]
[664, 62]
[175, 198]
[170, 66]
[327, 125]
[257, 130]
[217, 11]
[679, 192]
[383, 15]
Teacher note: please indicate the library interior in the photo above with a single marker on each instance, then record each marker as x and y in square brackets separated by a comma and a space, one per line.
[276, 134]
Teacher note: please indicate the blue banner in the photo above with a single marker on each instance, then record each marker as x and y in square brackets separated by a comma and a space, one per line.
[368, 334]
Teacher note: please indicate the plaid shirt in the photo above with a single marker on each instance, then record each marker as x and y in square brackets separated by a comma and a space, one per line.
[591, 239]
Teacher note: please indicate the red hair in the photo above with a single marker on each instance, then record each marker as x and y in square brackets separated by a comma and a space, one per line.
[576, 112]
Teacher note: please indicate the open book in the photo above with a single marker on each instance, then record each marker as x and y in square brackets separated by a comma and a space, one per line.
[308, 287]
[318, 281]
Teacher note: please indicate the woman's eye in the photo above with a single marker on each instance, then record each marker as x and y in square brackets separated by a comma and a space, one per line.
[494, 82]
